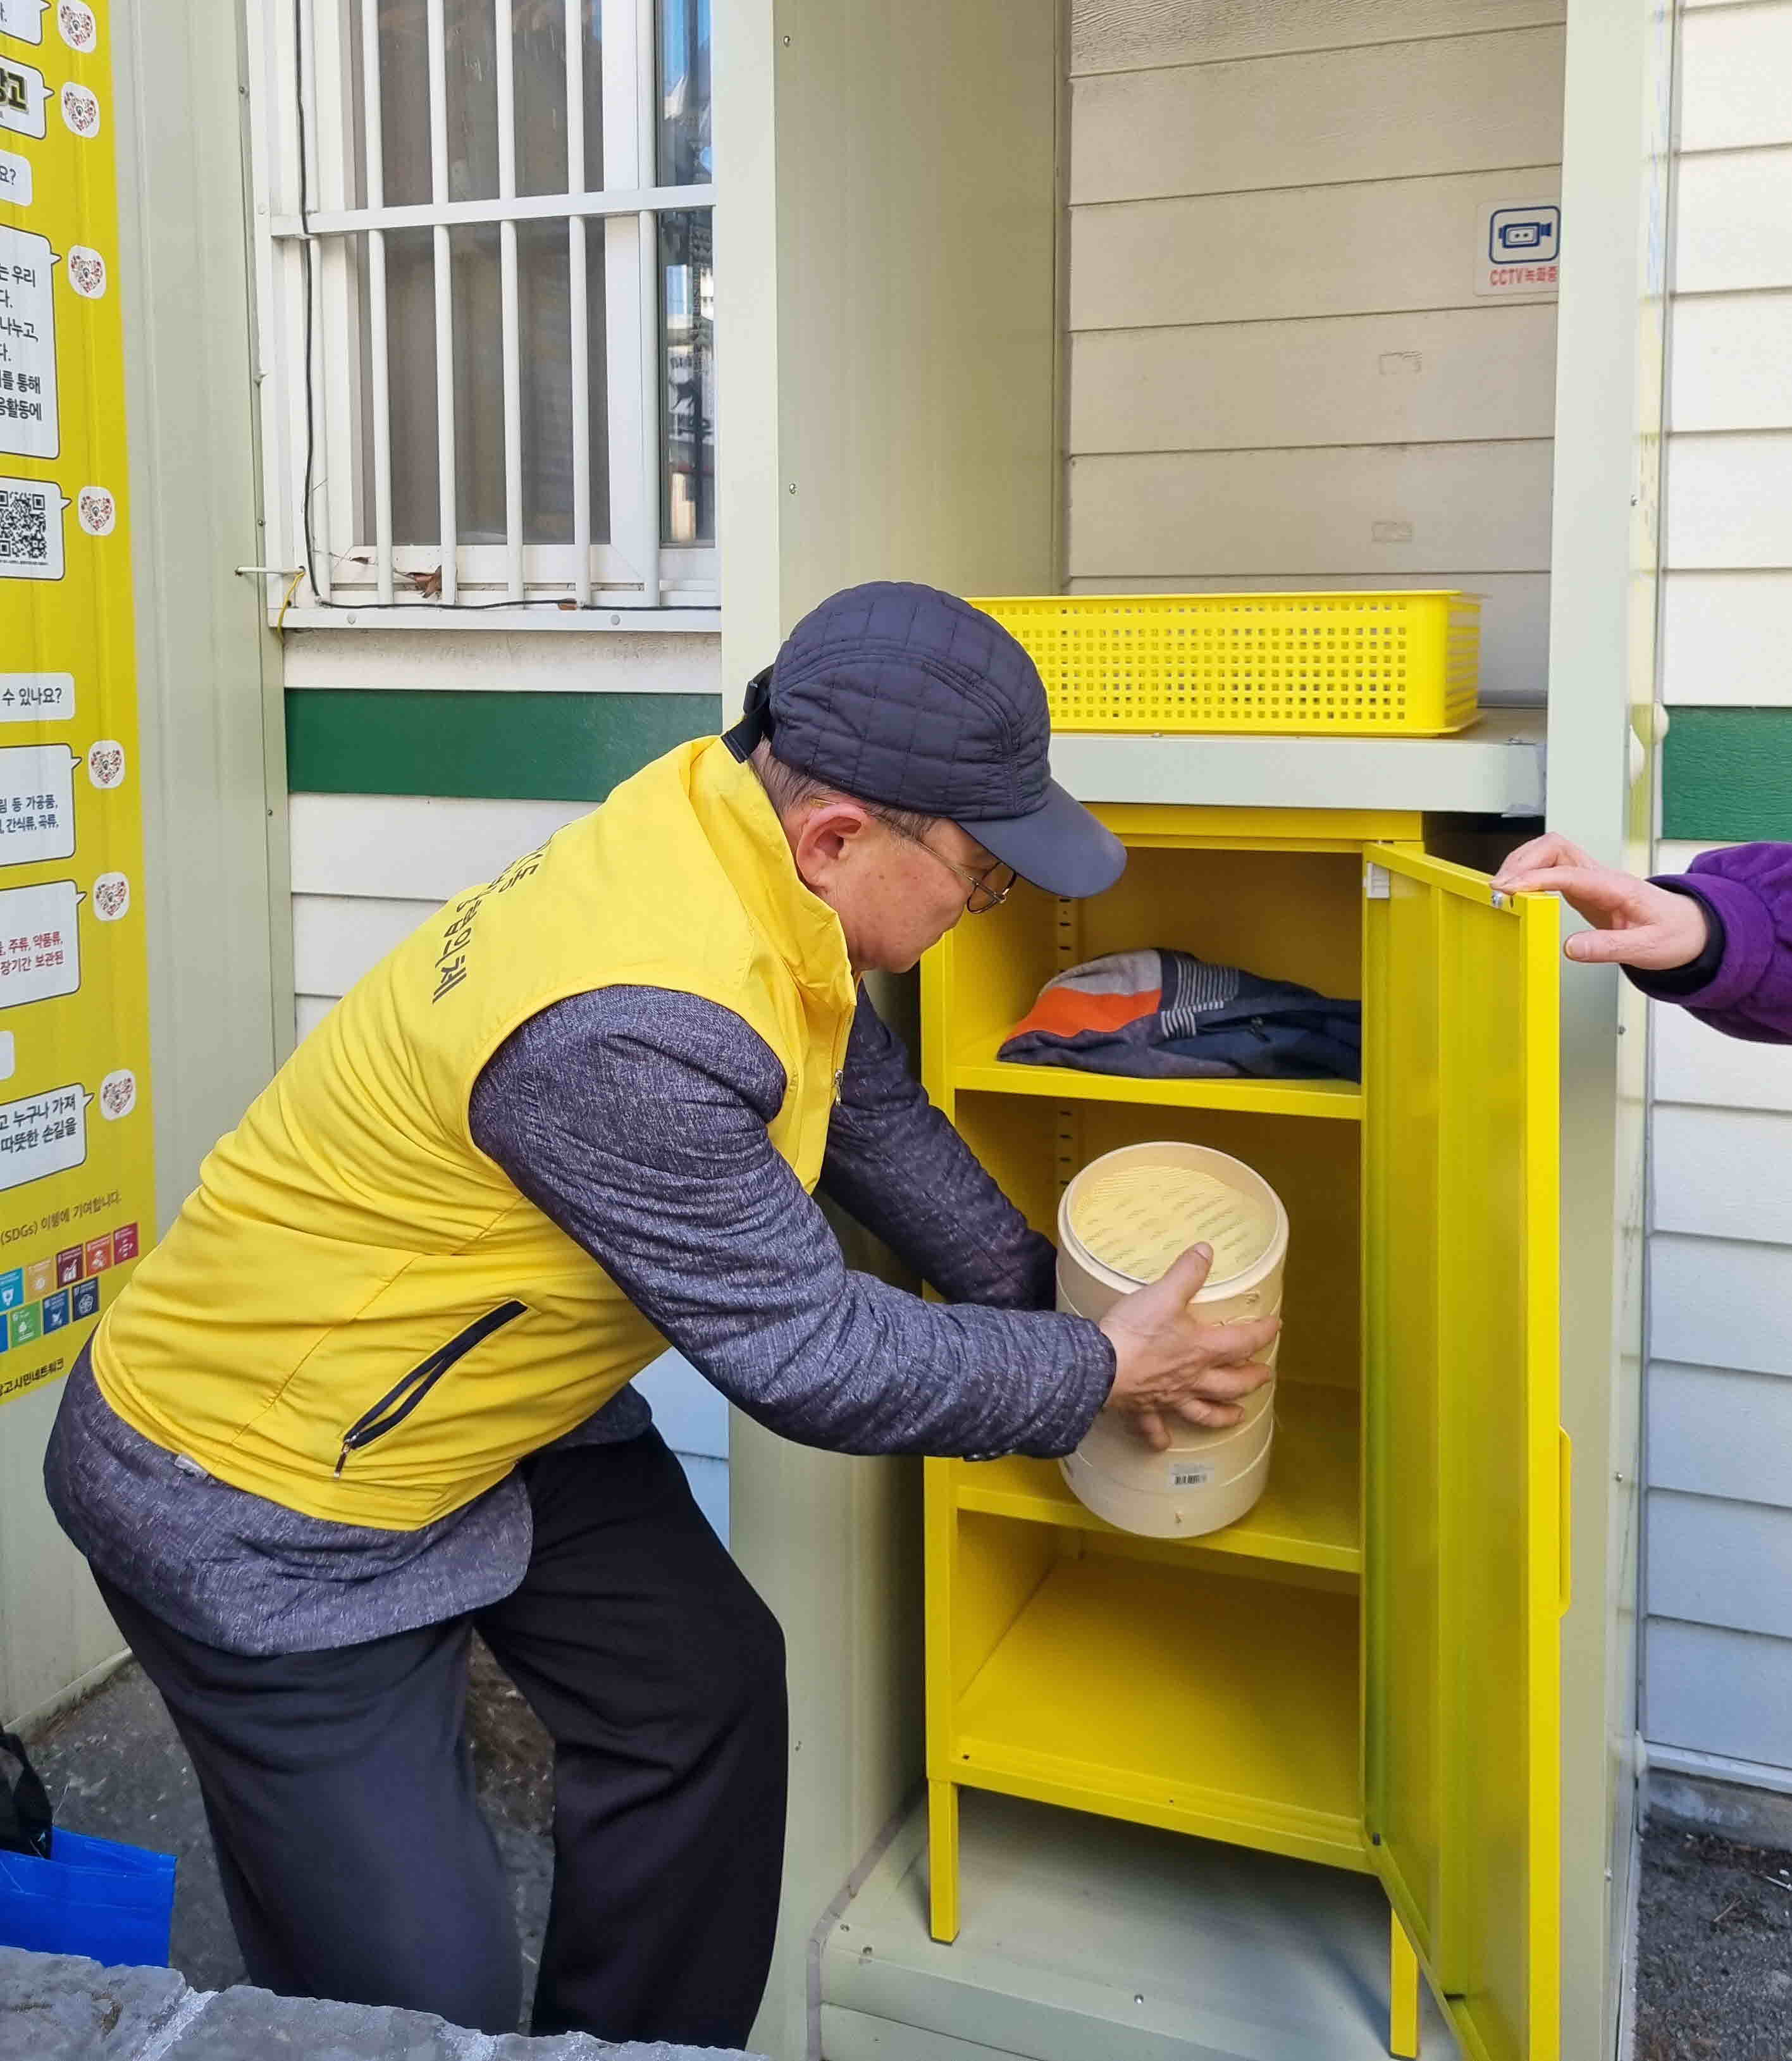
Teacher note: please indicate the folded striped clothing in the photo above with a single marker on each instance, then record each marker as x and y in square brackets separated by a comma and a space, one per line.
[1167, 1015]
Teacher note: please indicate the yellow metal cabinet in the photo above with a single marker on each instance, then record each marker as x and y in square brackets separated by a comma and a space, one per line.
[1363, 1671]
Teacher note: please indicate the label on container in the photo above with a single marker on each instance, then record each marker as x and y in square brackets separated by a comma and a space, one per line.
[1190, 1474]
[1138, 1219]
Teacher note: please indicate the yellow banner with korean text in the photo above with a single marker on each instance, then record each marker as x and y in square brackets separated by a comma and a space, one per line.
[76, 1173]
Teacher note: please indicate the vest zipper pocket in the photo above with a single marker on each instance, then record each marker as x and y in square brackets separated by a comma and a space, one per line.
[403, 1397]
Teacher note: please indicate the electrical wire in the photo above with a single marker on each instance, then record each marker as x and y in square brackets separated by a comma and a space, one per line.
[287, 599]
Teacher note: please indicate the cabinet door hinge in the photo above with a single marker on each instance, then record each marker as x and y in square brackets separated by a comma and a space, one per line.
[1375, 884]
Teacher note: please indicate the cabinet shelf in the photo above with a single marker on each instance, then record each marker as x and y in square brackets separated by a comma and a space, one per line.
[976, 1070]
[1204, 1705]
[1308, 1516]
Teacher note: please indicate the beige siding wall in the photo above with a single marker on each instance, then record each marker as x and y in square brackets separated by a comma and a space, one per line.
[1279, 373]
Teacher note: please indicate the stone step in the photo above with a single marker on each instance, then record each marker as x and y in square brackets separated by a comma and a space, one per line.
[57, 2007]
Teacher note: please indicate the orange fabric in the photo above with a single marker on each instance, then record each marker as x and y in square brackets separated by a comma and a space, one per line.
[1063, 1011]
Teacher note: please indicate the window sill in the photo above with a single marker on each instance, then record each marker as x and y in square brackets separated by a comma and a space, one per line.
[430, 615]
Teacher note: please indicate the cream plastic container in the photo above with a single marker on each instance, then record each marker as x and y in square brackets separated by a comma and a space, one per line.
[1122, 1221]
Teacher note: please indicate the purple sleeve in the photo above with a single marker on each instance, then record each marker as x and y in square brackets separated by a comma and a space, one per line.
[1749, 888]
[635, 1118]
[896, 1164]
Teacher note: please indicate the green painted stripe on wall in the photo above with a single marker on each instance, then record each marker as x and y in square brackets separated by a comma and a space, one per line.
[1727, 775]
[489, 745]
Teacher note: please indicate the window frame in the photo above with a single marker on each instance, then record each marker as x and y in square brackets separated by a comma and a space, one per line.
[361, 581]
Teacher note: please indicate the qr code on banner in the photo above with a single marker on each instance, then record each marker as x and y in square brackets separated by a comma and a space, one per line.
[30, 530]
[24, 526]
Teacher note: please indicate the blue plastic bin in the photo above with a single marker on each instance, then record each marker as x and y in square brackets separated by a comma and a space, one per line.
[114, 1904]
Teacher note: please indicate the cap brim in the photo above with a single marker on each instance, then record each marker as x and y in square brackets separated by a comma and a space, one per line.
[1060, 847]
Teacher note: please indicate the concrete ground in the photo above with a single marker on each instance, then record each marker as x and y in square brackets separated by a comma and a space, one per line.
[1714, 1970]
[1714, 1959]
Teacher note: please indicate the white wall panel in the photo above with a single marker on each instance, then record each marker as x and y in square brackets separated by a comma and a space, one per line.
[692, 1415]
[1677, 855]
[1732, 361]
[412, 847]
[1438, 376]
[1718, 1527]
[309, 1011]
[1714, 1432]
[1695, 1064]
[1725, 641]
[1735, 76]
[1713, 1303]
[337, 938]
[1132, 35]
[1305, 251]
[1733, 222]
[1322, 117]
[1401, 511]
[1719, 1691]
[1716, 1562]
[1724, 1174]
[624, 661]
[1729, 500]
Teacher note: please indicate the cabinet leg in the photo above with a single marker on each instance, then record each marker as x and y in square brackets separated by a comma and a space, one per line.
[942, 1859]
[1403, 2037]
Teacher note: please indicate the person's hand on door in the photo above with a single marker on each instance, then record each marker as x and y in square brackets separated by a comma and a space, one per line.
[1635, 924]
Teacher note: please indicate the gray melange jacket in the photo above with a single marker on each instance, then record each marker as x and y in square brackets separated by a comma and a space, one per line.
[636, 1119]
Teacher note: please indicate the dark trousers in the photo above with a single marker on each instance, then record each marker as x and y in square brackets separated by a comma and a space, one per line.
[339, 1784]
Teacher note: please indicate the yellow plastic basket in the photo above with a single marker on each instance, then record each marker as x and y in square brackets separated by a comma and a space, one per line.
[1339, 665]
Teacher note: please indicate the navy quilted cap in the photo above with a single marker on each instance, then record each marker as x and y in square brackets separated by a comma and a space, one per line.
[905, 695]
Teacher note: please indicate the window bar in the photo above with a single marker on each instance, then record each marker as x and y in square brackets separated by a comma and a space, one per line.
[374, 144]
[337, 308]
[284, 374]
[507, 293]
[651, 375]
[580, 344]
[628, 71]
[265, 49]
[313, 501]
[444, 308]
[646, 51]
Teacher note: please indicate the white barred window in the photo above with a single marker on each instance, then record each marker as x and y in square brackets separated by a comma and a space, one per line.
[486, 305]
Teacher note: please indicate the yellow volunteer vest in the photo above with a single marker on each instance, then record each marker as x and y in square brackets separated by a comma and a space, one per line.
[356, 1313]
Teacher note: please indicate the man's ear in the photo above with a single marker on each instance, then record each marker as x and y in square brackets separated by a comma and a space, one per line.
[824, 838]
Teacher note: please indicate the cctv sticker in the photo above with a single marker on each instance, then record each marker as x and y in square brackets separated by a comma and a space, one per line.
[1518, 251]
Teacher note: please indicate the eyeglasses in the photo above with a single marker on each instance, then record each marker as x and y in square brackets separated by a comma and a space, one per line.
[983, 896]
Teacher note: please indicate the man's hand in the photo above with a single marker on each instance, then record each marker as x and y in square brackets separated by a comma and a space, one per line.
[1168, 1364]
[1635, 924]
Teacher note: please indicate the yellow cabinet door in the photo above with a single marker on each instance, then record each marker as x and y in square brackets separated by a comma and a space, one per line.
[1462, 1487]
